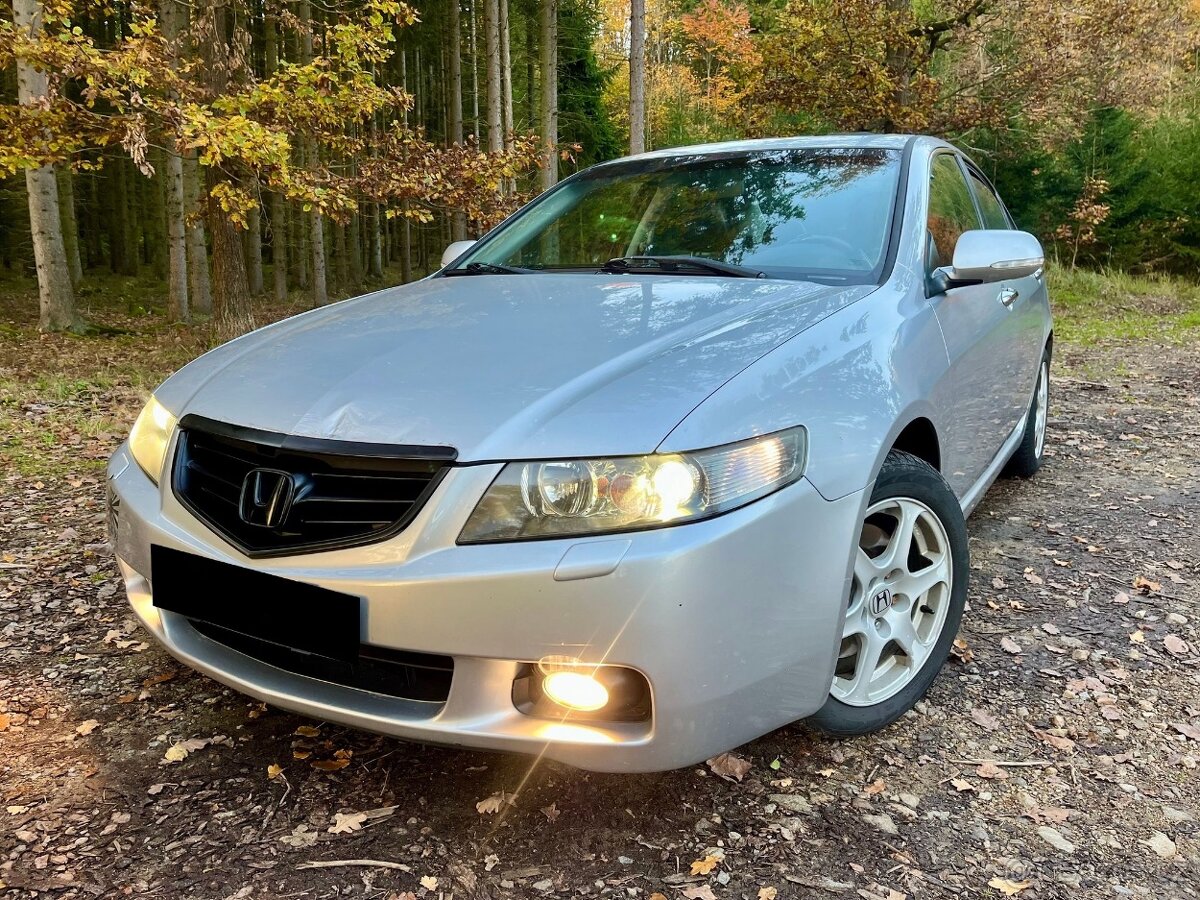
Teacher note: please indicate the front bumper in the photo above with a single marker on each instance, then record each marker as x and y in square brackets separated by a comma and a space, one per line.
[734, 621]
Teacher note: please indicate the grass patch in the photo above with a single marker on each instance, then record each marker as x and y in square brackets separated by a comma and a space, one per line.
[1097, 307]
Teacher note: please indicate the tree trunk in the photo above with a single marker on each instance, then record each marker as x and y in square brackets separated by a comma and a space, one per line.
[374, 243]
[231, 293]
[55, 295]
[316, 222]
[177, 278]
[279, 247]
[549, 28]
[491, 10]
[474, 75]
[506, 76]
[70, 223]
[199, 283]
[252, 250]
[456, 110]
[637, 76]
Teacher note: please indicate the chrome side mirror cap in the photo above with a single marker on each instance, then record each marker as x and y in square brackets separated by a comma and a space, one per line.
[988, 256]
[454, 251]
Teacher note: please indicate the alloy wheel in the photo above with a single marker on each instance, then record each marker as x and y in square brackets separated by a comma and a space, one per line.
[903, 573]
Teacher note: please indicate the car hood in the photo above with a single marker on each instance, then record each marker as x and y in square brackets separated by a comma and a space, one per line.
[504, 366]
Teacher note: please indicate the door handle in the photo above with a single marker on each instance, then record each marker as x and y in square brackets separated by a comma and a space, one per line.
[1008, 296]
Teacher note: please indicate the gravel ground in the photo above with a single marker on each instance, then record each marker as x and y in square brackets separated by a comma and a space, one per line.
[1055, 757]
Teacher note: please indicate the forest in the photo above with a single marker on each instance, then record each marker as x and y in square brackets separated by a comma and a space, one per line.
[237, 151]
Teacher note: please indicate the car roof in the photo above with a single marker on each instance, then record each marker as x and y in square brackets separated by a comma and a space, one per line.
[858, 140]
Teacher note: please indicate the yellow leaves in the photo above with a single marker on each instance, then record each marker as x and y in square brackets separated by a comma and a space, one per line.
[274, 772]
[307, 731]
[493, 804]
[706, 865]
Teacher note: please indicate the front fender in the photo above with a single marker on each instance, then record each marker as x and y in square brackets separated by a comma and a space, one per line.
[854, 380]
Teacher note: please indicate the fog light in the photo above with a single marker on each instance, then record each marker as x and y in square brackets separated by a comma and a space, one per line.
[575, 690]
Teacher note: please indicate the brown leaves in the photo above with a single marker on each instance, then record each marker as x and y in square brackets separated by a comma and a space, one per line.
[1008, 888]
[991, 771]
[1058, 742]
[706, 865]
[1008, 645]
[1145, 586]
[984, 719]
[86, 728]
[493, 804]
[730, 766]
[699, 892]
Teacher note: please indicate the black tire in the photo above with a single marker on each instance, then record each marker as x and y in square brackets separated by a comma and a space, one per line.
[1029, 453]
[907, 476]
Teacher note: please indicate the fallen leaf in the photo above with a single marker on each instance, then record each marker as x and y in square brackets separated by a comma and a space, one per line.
[984, 719]
[704, 866]
[1008, 888]
[960, 651]
[1187, 730]
[307, 731]
[657, 896]
[767, 893]
[990, 770]
[876, 787]
[1162, 845]
[346, 823]
[961, 784]
[87, 727]
[699, 892]
[1055, 741]
[158, 679]
[274, 771]
[729, 766]
[429, 882]
[551, 812]
[330, 765]
[4, 720]
[1137, 637]
[1146, 586]
[494, 803]
[1033, 578]
[1121, 597]
[1009, 645]
[1175, 645]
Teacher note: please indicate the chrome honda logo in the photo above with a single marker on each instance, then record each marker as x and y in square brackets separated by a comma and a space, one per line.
[881, 601]
[267, 496]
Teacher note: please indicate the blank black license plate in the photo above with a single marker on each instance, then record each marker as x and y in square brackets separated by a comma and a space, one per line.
[290, 613]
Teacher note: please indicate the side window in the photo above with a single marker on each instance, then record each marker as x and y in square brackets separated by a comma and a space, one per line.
[993, 212]
[951, 209]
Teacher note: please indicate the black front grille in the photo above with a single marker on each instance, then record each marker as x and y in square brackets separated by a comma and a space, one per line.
[396, 673]
[340, 493]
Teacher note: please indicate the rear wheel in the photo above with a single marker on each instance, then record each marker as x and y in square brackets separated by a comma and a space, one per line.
[906, 600]
[1028, 457]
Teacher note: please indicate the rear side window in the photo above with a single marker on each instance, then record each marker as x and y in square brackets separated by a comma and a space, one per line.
[951, 209]
[989, 205]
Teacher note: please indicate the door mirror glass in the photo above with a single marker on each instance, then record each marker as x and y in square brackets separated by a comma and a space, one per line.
[454, 251]
[987, 256]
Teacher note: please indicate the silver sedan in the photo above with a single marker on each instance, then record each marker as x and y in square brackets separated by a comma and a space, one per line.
[680, 453]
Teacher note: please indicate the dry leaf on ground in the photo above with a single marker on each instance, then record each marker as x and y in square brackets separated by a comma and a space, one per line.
[730, 766]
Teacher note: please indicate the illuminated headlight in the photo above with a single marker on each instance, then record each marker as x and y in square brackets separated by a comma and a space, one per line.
[149, 438]
[627, 493]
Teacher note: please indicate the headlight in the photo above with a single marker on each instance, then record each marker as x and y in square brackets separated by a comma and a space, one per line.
[150, 436]
[594, 496]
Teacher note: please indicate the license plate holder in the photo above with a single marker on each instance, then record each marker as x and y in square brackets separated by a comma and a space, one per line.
[290, 613]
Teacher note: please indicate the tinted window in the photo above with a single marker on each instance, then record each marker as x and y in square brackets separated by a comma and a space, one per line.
[951, 209]
[821, 213]
[989, 205]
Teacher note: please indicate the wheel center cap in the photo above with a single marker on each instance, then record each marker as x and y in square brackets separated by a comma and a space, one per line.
[880, 602]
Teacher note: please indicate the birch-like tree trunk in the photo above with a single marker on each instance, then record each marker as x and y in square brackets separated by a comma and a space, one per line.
[637, 76]
[495, 121]
[549, 110]
[199, 282]
[458, 221]
[70, 223]
[316, 222]
[506, 88]
[474, 75]
[252, 249]
[56, 297]
[173, 17]
[277, 215]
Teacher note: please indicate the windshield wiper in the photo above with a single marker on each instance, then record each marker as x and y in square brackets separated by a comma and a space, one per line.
[669, 265]
[487, 268]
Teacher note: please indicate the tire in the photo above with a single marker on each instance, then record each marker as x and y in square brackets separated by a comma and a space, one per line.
[927, 590]
[1028, 456]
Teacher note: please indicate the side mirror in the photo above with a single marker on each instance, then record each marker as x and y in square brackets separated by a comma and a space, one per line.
[987, 256]
[454, 251]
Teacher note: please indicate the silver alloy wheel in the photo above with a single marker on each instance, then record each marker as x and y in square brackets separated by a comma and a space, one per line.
[1040, 405]
[903, 576]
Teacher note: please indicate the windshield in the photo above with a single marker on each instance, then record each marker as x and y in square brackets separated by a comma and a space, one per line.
[821, 214]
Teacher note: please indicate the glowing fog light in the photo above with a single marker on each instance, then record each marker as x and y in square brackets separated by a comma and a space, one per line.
[570, 683]
[574, 690]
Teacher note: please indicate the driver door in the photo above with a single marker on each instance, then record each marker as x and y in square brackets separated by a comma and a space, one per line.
[982, 342]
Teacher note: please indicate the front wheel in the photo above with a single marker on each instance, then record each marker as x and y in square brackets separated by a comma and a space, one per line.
[906, 601]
